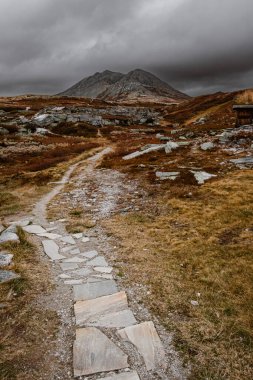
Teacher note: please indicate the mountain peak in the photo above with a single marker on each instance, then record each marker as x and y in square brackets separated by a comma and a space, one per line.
[137, 85]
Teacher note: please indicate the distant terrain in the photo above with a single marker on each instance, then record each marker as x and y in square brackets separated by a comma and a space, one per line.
[172, 199]
[137, 85]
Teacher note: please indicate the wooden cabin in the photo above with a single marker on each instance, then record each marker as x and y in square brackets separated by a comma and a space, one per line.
[244, 114]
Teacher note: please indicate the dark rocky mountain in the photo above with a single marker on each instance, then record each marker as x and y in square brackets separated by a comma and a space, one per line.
[94, 85]
[137, 85]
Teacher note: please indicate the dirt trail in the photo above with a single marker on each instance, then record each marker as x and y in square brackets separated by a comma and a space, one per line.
[100, 192]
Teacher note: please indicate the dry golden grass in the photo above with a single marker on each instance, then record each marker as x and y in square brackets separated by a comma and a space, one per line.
[27, 331]
[197, 248]
[246, 97]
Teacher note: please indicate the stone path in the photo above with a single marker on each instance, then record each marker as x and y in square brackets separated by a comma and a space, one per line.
[108, 336]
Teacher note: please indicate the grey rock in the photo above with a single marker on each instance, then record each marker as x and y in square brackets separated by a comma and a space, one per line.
[123, 376]
[207, 146]
[74, 259]
[93, 353]
[148, 343]
[109, 311]
[8, 236]
[171, 145]
[89, 254]
[152, 148]
[167, 175]
[8, 275]
[103, 269]
[68, 239]
[83, 272]
[202, 176]
[98, 262]
[5, 258]
[94, 290]
[34, 229]
[51, 249]
[245, 161]
[68, 266]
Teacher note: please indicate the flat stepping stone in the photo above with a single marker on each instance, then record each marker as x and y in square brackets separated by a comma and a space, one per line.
[145, 338]
[83, 272]
[49, 235]
[93, 352]
[72, 282]
[50, 229]
[109, 311]
[66, 249]
[51, 249]
[78, 236]
[64, 276]
[7, 275]
[68, 239]
[98, 262]
[5, 259]
[89, 254]
[75, 251]
[105, 276]
[8, 236]
[74, 260]
[123, 376]
[103, 269]
[85, 240]
[34, 229]
[94, 290]
[68, 266]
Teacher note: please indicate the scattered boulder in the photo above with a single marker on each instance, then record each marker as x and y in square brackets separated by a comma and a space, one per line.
[171, 145]
[202, 176]
[152, 148]
[243, 162]
[167, 175]
[8, 275]
[5, 258]
[8, 236]
[207, 146]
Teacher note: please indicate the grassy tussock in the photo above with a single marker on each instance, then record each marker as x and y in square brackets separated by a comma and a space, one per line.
[26, 330]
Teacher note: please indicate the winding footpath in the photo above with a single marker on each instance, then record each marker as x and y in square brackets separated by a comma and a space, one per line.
[106, 329]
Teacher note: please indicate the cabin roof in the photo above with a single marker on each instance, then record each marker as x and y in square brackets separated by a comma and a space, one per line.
[242, 106]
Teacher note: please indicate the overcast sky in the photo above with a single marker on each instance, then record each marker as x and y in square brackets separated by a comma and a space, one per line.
[197, 46]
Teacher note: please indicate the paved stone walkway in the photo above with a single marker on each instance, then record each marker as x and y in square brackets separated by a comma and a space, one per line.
[104, 322]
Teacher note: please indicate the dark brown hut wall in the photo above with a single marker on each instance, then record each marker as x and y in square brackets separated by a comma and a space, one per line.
[244, 114]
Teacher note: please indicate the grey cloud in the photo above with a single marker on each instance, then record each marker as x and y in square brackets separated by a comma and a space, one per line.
[197, 46]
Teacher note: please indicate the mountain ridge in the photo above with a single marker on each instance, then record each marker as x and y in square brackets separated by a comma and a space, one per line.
[137, 85]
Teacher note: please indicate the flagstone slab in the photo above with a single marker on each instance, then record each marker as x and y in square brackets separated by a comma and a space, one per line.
[78, 236]
[89, 254]
[83, 272]
[64, 276]
[73, 282]
[67, 249]
[145, 338]
[103, 269]
[93, 353]
[34, 229]
[98, 262]
[94, 290]
[51, 249]
[74, 259]
[49, 235]
[85, 240]
[8, 236]
[68, 239]
[8, 275]
[123, 376]
[50, 229]
[105, 276]
[68, 266]
[109, 311]
[75, 251]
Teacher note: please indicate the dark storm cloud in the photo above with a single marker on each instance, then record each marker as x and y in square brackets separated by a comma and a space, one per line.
[197, 46]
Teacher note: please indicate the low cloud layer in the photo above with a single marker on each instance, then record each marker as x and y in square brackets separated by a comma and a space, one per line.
[195, 45]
